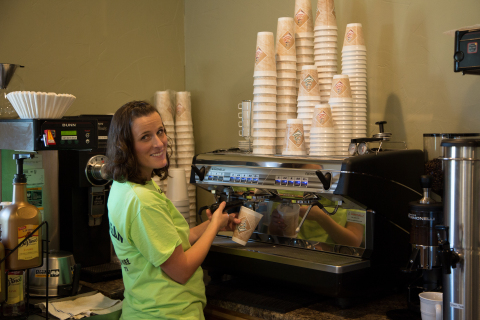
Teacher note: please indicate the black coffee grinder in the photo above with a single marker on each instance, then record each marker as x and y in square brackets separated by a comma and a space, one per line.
[425, 260]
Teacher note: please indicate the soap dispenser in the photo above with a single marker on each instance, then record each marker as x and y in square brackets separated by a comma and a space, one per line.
[18, 220]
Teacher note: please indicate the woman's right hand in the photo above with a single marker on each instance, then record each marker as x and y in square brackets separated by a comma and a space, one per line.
[219, 218]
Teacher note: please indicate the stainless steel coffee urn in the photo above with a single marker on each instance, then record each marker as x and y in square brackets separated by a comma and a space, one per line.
[459, 238]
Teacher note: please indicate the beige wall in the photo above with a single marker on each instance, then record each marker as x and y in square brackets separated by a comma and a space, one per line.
[411, 83]
[105, 52]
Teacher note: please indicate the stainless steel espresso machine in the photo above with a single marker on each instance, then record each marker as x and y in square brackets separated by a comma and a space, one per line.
[67, 185]
[370, 192]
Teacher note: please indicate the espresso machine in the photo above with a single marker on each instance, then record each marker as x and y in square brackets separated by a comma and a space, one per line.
[67, 184]
[371, 192]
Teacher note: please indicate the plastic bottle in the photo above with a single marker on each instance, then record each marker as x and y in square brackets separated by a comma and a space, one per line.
[18, 220]
[15, 305]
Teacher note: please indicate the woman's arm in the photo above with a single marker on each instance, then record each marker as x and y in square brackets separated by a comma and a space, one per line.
[350, 235]
[181, 265]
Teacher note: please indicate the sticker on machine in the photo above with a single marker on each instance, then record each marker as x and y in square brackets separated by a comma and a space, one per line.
[457, 305]
[356, 216]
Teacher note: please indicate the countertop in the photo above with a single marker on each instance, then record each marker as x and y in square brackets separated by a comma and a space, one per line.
[260, 303]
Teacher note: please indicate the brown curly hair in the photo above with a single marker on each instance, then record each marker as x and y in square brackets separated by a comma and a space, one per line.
[122, 163]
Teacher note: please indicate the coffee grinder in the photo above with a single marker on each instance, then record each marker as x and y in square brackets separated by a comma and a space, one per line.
[425, 260]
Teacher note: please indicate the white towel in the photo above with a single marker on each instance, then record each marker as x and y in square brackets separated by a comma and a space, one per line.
[82, 307]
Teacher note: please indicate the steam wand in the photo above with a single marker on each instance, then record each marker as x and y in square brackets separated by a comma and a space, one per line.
[318, 204]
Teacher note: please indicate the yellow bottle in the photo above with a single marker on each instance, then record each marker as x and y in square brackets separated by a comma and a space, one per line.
[18, 220]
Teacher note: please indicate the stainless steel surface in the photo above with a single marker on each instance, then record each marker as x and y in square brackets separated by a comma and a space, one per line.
[300, 257]
[60, 272]
[428, 256]
[461, 295]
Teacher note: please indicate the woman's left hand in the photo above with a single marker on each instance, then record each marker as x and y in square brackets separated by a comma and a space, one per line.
[232, 220]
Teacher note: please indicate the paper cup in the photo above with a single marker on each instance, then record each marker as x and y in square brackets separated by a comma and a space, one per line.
[249, 221]
[286, 91]
[265, 89]
[325, 15]
[325, 45]
[264, 124]
[305, 50]
[286, 82]
[340, 89]
[264, 97]
[285, 40]
[305, 58]
[264, 74]
[294, 138]
[286, 107]
[177, 185]
[286, 115]
[303, 18]
[286, 99]
[270, 81]
[267, 150]
[164, 105]
[309, 82]
[326, 38]
[353, 35]
[286, 65]
[261, 107]
[264, 115]
[287, 74]
[357, 53]
[183, 109]
[328, 32]
[322, 118]
[264, 133]
[184, 135]
[265, 52]
[304, 42]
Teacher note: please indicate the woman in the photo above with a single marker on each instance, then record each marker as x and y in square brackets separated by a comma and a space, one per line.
[160, 256]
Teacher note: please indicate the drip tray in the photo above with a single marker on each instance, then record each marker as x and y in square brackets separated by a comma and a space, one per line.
[300, 257]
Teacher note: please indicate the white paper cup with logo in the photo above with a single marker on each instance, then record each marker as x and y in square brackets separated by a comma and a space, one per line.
[287, 74]
[294, 138]
[164, 105]
[286, 65]
[305, 58]
[249, 221]
[183, 109]
[286, 99]
[265, 53]
[341, 91]
[354, 39]
[309, 82]
[286, 82]
[304, 42]
[286, 91]
[322, 119]
[285, 39]
[303, 18]
[325, 18]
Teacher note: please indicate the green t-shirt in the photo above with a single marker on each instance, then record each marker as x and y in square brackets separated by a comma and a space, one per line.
[145, 229]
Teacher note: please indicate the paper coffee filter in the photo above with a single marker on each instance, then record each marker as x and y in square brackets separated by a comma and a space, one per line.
[34, 105]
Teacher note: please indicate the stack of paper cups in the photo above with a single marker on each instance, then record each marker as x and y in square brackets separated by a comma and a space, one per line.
[341, 103]
[325, 46]
[286, 77]
[177, 192]
[264, 108]
[165, 106]
[354, 63]
[322, 132]
[308, 97]
[294, 144]
[303, 35]
[185, 144]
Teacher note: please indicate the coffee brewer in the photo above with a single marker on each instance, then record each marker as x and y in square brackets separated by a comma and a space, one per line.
[70, 190]
[425, 215]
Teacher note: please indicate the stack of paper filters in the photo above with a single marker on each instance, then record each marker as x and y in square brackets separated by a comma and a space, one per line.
[264, 96]
[341, 103]
[303, 35]
[354, 63]
[165, 106]
[294, 144]
[185, 146]
[322, 132]
[325, 45]
[178, 194]
[308, 97]
[286, 77]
